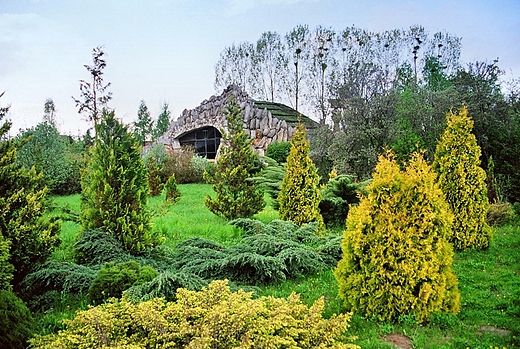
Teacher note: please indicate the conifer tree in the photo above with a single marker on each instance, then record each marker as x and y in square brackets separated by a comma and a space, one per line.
[396, 256]
[463, 181]
[163, 122]
[300, 196]
[115, 187]
[143, 127]
[28, 237]
[237, 196]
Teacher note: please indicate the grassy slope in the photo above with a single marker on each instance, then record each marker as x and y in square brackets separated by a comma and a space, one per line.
[488, 279]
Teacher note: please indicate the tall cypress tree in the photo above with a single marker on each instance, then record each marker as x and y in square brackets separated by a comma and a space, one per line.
[299, 193]
[115, 187]
[237, 196]
[28, 238]
[463, 181]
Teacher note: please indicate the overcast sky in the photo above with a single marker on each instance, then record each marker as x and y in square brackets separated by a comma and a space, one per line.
[166, 50]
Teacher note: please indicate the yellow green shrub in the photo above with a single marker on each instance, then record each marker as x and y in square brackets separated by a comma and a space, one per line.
[396, 258]
[212, 318]
[463, 181]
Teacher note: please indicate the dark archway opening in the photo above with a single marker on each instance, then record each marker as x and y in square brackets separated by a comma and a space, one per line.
[205, 140]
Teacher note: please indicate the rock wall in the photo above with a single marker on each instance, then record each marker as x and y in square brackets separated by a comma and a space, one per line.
[262, 127]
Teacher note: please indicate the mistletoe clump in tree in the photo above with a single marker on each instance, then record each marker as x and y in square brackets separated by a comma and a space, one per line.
[300, 196]
[27, 237]
[396, 256]
[463, 181]
[237, 196]
[115, 187]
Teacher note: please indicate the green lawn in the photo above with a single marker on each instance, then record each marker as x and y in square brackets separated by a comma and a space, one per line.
[489, 280]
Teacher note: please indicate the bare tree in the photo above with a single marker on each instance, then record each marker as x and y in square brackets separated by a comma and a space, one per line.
[94, 93]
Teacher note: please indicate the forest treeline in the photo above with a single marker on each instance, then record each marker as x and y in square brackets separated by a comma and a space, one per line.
[377, 90]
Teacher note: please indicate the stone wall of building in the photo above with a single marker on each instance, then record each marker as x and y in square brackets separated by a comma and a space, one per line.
[262, 127]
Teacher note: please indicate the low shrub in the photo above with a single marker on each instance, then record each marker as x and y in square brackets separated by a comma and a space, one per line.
[270, 179]
[185, 164]
[173, 193]
[59, 276]
[165, 286]
[212, 317]
[114, 278]
[500, 214]
[96, 247]
[154, 176]
[16, 321]
[339, 193]
[267, 253]
[278, 151]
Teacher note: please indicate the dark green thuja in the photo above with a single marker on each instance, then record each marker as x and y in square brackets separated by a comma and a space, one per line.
[115, 187]
[300, 196]
[396, 256]
[237, 195]
[463, 181]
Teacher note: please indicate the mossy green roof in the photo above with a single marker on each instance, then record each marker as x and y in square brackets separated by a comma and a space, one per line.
[283, 112]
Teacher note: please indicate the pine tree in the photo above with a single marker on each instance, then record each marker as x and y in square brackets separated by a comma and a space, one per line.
[115, 187]
[143, 125]
[28, 235]
[163, 122]
[237, 196]
[396, 256]
[299, 193]
[463, 181]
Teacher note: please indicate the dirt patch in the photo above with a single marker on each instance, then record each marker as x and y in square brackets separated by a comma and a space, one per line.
[494, 330]
[398, 341]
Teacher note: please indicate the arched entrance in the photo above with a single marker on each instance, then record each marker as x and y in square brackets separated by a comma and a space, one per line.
[205, 140]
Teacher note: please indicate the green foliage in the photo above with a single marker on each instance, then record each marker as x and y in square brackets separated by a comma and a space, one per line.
[270, 178]
[144, 124]
[278, 151]
[463, 181]
[95, 247]
[154, 178]
[185, 164]
[163, 122]
[339, 193]
[115, 188]
[500, 214]
[16, 322]
[165, 286]
[267, 253]
[396, 257]
[23, 202]
[64, 277]
[172, 192]
[114, 278]
[493, 191]
[47, 150]
[6, 268]
[212, 317]
[237, 196]
[300, 196]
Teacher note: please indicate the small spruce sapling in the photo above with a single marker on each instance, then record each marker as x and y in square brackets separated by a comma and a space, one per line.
[237, 195]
